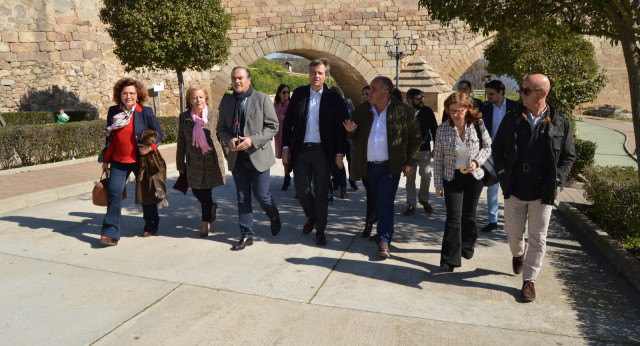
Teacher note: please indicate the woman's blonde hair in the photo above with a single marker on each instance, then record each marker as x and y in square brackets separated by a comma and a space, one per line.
[192, 90]
[464, 99]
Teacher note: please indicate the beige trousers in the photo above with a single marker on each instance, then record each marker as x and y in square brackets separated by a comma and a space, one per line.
[516, 215]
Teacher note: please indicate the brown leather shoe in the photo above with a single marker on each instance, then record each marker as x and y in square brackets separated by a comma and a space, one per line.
[427, 207]
[383, 250]
[321, 240]
[108, 241]
[409, 211]
[308, 227]
[528, 293]
[147, 234]
[518, 262]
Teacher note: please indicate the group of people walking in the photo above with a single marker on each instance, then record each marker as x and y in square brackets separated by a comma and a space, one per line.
[315, 129]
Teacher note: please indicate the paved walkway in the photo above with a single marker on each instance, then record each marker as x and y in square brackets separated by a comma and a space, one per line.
[59, 286]
[622, 127]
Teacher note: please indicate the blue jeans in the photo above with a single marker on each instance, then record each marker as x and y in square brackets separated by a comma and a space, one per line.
[492, 201]
[247, 179]
[118, 174]
[383, 192]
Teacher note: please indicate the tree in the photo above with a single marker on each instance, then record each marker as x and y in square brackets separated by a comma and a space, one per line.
[565, 57]
[168, 35]
[616, 20]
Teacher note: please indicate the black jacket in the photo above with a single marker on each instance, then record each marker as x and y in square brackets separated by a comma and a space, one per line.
[559, 142]
[428, 127]
[333, 113]
[487, 113]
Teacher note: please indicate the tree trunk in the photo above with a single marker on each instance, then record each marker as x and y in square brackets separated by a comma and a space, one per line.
[181, 89]
[632, 60]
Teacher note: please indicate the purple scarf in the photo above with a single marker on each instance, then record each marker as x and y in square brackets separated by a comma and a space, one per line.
[199, 139]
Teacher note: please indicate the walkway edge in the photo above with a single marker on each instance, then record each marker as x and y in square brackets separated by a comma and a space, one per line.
[628, 265]
[49, 195]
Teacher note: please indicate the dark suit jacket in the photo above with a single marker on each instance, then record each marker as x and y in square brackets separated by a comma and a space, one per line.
[445, 114]
[333, 113]
[428, 127]
[487, 113]
[143, 119]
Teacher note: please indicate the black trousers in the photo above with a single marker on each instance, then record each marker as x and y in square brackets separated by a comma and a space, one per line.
[372, 208]
[311, 164]
[460, 231]
[206, 202]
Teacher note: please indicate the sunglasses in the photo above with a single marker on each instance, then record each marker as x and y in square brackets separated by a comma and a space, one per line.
[528, 91]
[284, 92]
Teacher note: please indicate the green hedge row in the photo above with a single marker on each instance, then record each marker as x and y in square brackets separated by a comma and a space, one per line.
[28, 145]
[585, 154]
[615, 193]
[38, 118]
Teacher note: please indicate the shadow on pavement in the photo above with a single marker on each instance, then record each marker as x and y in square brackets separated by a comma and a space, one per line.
[605, 302]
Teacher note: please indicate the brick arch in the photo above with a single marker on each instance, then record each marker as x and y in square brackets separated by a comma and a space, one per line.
[350, 68]
[466, 56]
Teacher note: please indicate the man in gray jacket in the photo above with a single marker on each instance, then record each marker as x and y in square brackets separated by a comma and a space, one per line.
[247, 124]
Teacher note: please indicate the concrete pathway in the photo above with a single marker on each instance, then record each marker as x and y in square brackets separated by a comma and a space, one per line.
[609, 143]
[60, 286]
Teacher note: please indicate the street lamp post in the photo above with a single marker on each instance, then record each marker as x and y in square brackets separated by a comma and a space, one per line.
[399, 54]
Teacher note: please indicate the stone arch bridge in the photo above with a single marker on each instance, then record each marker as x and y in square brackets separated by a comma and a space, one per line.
[52, 45]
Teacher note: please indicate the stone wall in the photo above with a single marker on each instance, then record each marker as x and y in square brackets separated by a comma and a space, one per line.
[56, 53]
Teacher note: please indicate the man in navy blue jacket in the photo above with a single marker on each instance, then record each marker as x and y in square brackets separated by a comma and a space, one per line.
[492, 114]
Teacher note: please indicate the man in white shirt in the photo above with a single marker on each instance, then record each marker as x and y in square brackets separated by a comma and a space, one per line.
[492, 114]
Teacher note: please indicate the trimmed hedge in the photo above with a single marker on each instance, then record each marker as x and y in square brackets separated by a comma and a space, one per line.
[28, 145]
[38, 118]
[615, 193]
[585, 153]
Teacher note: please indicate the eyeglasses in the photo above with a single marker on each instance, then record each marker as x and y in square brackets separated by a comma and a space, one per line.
[284, 92]
[528, 91]
[460, 111]
[419, 98]
[129, 93]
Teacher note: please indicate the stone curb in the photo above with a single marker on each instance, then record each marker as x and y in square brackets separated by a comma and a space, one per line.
[628, 265]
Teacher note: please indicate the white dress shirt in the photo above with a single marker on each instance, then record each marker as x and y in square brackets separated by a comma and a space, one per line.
[498, 115]
[312, 132]
[377, 149]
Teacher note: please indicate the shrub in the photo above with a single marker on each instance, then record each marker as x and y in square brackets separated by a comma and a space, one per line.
[615, 193]
[169, 126]
[29, 118]
[39, 118]
[27, 145]
[585, 153]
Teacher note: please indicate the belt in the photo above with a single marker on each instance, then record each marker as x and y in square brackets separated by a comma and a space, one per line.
[462, 170]
[311, 144]
[379, 162]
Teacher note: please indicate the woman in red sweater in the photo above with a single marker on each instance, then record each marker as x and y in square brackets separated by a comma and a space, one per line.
[126, 121]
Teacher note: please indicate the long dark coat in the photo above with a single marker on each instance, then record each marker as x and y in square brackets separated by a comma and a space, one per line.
[204, 171]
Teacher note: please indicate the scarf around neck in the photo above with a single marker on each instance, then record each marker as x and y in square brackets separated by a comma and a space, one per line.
[238, 117]
[121, 119]
[199, 138]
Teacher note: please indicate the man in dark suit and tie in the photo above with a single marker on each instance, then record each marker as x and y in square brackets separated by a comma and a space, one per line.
[247, 124]
[314, 144]
[492, 114]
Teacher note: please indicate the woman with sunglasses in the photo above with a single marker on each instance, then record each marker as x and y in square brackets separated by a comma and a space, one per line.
[281, 103]
[126, 121]
[462, 146]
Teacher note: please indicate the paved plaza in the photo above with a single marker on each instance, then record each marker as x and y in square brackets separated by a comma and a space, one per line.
[61, 287]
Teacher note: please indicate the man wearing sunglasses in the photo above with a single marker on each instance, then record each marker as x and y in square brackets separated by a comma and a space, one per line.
[428, 128]
[533, 153]
[492, 114]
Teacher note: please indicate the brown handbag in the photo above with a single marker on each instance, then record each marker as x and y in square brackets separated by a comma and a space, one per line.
[100, 192]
